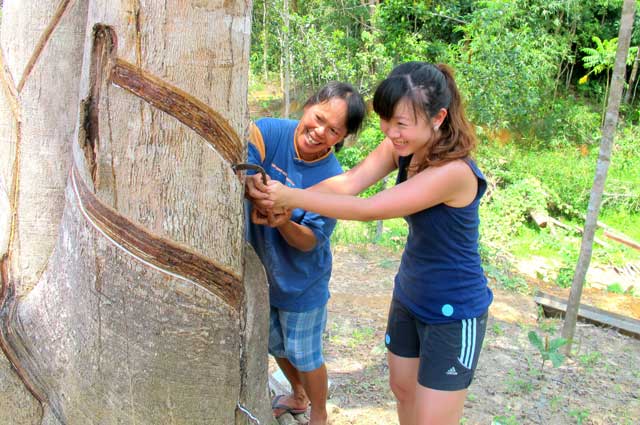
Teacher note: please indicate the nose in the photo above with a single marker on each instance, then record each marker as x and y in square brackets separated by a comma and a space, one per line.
[393, 132]
[319, 130]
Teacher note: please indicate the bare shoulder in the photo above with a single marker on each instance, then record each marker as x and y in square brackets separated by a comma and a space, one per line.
[464, 183]
[456, 171]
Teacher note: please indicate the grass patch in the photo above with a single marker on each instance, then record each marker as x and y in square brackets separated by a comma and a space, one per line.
[392, 234]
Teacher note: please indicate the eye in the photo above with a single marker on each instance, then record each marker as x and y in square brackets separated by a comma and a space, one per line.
[334, 131]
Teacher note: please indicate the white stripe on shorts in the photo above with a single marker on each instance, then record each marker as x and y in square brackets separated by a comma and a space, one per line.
[468, 343]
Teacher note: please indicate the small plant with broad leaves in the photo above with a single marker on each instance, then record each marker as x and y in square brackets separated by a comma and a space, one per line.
[549, 349]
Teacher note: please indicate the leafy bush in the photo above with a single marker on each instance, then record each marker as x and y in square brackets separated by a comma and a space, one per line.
[509, 207]
[565, 277]
[568, 124]
[506, 64]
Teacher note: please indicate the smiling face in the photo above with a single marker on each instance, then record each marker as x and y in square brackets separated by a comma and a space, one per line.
[321, 126]
[409, 130]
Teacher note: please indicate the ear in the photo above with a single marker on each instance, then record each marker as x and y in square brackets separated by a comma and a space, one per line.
[437, 120]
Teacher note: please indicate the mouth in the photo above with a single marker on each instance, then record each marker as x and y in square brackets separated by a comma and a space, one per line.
[399, 143]
[310, 141]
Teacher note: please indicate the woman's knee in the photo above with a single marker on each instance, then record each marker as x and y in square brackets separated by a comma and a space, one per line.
[403, 389]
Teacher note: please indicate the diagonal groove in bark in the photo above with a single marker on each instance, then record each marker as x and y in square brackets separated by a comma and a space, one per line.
[10, 88]
[7, 309]
[8, 300]
[104, 40]
[42, 42]
[160, 253]
[193, 113]
[136, 17]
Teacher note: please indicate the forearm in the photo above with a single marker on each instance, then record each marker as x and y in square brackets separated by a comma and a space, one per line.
[378, 164]
[341, 184]
[298, 236]
[345, 207]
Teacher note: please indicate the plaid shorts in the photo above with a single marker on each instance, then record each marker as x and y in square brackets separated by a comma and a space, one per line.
[297, 336]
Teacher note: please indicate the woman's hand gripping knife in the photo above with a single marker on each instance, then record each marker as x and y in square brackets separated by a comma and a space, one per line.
[263, 212]
[277, 196]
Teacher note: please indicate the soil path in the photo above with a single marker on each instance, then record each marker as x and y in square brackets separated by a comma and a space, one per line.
[600, 384]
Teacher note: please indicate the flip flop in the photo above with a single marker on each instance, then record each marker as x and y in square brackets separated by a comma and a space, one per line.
[276, 405]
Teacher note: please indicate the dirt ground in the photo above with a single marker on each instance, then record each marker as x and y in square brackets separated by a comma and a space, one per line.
[600, 384]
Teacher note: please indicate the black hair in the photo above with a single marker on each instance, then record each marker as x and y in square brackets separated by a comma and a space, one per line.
[356, 108]
[420, 82]
[429, 88]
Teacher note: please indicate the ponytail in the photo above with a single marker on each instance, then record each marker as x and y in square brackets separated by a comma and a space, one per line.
[429, 88]
[457, 136]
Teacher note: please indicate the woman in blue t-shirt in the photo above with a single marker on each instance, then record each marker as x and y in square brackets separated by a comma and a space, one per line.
[294, 245]
[438, 313]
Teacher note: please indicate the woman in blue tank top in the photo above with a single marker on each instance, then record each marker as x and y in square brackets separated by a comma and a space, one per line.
[438, 313]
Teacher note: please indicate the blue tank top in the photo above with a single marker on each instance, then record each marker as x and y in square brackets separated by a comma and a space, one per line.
[440, 278]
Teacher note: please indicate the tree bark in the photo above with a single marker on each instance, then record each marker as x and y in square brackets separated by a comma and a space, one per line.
[125, 297]
[632, 77]
[602, 167]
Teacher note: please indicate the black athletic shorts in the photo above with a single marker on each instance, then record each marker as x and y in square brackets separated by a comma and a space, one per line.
[448, 352]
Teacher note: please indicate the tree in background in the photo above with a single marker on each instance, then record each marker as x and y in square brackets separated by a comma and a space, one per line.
[602, 167]
[126, 296]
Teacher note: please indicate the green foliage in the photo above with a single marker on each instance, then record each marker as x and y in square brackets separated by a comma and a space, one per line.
[581, 415]
[368, 139]
[498, 267]
[590, 360]
[517, 64]
[615, 288]
[504, 420]
[565, 277]
[506, 54]
[601, 58]
[548, 349]
[506, 279]
[623, 180]
[497, 329]
[568, 124]
[517, 385]
[509, 209]
[564, 176]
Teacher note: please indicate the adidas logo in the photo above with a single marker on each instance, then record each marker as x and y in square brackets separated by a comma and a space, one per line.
[452, 371]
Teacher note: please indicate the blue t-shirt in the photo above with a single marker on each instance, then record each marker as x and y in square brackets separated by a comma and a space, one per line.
[298, 281]
[440, 278]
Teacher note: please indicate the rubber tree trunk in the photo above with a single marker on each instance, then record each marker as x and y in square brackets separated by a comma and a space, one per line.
[602, 167]
[127, 296]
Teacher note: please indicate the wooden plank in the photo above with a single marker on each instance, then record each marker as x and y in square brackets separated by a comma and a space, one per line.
[556, 306]
[576, 229]
[540, 218]
[623, 240]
